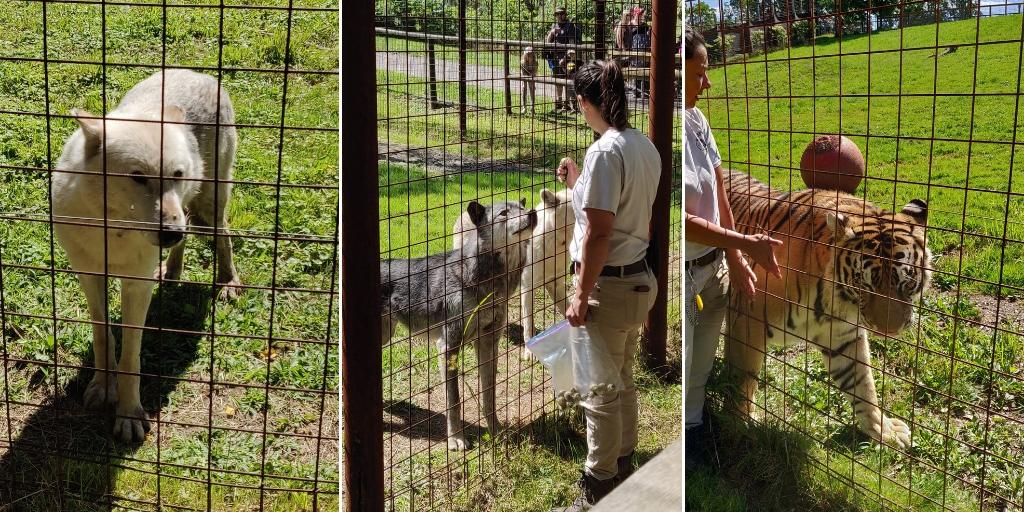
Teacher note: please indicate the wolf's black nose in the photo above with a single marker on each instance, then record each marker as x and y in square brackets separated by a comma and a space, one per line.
[169, 237]
[532, 215]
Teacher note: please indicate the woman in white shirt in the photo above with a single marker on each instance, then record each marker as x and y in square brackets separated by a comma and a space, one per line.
[614, 288]
[713, 249]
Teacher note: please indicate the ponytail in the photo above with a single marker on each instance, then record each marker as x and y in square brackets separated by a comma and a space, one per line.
[602, 84]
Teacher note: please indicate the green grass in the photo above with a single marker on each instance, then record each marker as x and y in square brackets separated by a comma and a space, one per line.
[955, 378]
[194, 460]
[892, 104]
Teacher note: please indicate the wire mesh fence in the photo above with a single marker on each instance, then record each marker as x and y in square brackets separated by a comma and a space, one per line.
[475, 103]
[929, 92]
[240, 396]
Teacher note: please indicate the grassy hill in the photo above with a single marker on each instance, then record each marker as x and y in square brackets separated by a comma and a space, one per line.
[940, 129]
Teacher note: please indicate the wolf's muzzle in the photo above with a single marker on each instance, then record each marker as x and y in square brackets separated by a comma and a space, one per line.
[169, 236]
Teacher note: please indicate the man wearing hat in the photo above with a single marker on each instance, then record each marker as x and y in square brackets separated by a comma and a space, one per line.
[562, 31]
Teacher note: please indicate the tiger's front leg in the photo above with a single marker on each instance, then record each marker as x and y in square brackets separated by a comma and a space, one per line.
[846, 358]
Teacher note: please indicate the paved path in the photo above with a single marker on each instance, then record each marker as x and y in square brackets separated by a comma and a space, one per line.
[414, 64]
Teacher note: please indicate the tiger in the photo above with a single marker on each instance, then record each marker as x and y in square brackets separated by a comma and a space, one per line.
[845, 263]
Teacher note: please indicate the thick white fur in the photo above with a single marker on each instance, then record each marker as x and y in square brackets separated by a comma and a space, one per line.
[547, 256]
[138, 177]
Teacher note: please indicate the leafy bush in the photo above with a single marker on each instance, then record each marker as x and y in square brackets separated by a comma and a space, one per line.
[433, 16]
[800, 33]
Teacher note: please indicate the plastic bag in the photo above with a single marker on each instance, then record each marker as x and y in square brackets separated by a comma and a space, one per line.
[594, 372]
[551, 348]
[581, 367]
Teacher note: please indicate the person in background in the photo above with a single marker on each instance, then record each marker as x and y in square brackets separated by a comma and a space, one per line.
[570, 64]
[562, 31]
[623, 30]
[641, 43]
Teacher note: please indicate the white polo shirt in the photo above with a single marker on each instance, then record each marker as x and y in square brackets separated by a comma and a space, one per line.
[620, 174]
[700, 157]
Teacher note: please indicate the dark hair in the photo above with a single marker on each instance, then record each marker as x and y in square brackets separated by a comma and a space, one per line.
[601, 83]
[693, 39]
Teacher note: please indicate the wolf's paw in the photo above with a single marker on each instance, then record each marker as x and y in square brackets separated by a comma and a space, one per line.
[526, 355]
[101, 392]
[231, 290]
[131, 423]
[893, 432]
[457, 443]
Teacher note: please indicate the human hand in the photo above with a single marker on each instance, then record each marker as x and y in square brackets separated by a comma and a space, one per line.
[760, 247]
[740, 274]
[577, 311]
[567, 172]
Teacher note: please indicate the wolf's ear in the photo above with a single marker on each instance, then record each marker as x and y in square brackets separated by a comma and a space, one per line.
[477, 213]
[92, 128]
[838, 224]
[550, 199]
[522, 202]
[918, 210]
[174, 114]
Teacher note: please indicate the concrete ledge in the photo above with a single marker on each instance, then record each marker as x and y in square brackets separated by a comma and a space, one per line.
[655, 487]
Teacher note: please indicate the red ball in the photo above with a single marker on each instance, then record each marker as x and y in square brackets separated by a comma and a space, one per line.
[832, 162]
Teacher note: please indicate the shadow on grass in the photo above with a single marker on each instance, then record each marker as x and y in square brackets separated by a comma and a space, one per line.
[743, 466]
[64, 457]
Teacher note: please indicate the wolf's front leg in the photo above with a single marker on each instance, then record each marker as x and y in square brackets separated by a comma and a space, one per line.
[847, 362]
[486, 349]
[102, 389]
[132, 422]
[448, 353]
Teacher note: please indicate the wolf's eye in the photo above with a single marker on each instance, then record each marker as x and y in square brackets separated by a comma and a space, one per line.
[139, 177]
[503, 213]
[178, 173]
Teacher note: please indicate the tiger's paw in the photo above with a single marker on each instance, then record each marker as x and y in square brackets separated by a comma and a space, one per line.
[893, 432]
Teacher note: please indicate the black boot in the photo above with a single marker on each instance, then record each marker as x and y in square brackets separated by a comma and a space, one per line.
[625, 465]
[591, 490]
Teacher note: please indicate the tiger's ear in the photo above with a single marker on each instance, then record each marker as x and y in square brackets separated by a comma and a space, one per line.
[838, 224]
[918, 210]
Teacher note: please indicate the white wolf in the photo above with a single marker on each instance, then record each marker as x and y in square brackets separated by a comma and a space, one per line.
[126, 186]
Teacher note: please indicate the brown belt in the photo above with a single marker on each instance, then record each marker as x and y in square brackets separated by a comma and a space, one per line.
[612, 270]
[707, 259]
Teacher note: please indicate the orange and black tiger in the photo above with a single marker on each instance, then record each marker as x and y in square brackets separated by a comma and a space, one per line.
[847, 266]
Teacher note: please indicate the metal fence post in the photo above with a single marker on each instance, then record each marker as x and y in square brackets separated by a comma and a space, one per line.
[660, 120]
[462, 69]
[363, 448]
[508, 83]
[432, 74]
[599, 29]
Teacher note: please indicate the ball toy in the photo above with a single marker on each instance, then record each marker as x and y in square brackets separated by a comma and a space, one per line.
[832, 162]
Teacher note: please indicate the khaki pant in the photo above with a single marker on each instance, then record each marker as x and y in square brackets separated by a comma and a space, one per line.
[617, 312]
[701, 331]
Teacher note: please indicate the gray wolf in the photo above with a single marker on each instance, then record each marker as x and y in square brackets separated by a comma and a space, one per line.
[126, 187]
[462, 295]
[846, 263]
